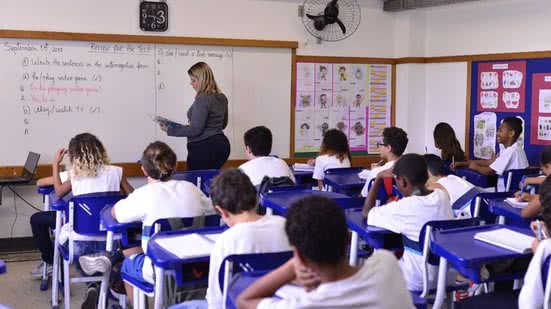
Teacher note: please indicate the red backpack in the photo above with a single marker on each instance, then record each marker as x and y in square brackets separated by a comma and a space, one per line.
[391, 197]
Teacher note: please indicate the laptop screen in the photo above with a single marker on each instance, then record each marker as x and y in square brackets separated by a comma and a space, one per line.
[31, 164]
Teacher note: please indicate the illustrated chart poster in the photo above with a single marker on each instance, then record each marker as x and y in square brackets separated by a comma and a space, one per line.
[502, 86]
[540, 129]
[485, 130]
[353, 98]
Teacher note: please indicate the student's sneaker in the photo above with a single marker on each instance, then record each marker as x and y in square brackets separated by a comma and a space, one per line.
[39, 269]
[90, 300]
[98, 262]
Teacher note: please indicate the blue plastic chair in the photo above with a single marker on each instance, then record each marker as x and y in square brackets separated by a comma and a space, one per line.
[479, 205]
[512, 178]
[3, 268]
[382, 195]
[477, 179]
[83, 217]
[196, 177]
[465, 201]
[343, 170]
[237, 263]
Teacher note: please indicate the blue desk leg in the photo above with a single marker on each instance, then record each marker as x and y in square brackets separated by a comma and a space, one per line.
[441, 287]
[159, 287]
[56, 266]
[353, 249]
[501, 220]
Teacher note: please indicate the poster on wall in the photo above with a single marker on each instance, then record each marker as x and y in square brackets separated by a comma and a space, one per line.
[540, 128]
[353, 98]
[485, 135]
[502, 86]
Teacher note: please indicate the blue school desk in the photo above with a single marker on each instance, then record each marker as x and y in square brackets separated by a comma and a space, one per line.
[165, 261]
[476, 178]
[346, 183]
[302, 177]
[467, 255]
[279, 202]
[507, 213]
[376, 237]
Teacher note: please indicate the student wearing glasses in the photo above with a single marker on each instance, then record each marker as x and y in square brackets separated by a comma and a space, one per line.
[395, 141]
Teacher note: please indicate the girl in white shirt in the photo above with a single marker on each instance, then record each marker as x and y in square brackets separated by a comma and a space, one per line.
[334, 153]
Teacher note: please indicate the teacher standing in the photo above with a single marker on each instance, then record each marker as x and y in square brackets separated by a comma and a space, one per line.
[207, 146]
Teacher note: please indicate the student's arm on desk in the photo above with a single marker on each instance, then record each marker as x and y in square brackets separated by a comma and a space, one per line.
[266, 286]
[46, 181]
[481, 169]
[533, 208]
[371, 199]
[533, 180]
[61, 189]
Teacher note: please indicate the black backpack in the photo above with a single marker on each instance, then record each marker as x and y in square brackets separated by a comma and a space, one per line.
[270, 182]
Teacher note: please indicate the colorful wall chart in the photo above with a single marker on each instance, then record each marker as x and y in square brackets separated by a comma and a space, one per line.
[354, 98]
[501, 86]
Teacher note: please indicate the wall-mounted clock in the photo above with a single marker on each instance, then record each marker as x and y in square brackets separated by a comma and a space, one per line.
[153, 16]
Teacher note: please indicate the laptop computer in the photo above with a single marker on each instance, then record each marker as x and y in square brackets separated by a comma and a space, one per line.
[28, 171]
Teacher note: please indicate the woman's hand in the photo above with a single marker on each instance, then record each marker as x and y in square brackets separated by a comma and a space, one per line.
[163, 127]
[58, 156]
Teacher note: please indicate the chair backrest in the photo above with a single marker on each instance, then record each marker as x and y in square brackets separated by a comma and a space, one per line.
[291, 188]
[84, 211]
[195, 177]
[514, 177]
[465, 201]
[425, 238]
[477, 179]
[237, 263]
[479, 205]
[343, 170]
[382, 194]
[350, 202]
[268, 183]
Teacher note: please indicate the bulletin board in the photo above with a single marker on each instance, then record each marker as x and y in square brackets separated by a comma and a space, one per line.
[351, 95]
[500, 89]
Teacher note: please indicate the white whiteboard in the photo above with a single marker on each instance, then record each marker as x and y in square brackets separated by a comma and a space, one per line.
[52, 90]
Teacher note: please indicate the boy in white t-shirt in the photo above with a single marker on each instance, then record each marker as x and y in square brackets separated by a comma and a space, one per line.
[234, 197]
[408, 215]
[512, 157]
[458, 189]
[395, 141]
[258, 145]
[316, 227]
[161, 198]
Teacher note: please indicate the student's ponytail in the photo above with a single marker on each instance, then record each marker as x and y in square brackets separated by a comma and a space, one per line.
[159, 161]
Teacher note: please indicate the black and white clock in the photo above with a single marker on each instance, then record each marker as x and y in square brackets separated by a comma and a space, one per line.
[153, 16]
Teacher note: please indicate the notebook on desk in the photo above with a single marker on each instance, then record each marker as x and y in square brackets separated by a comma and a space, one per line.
[28, 171]
[515, 203]
[508, 239]
[303, 167]
[189, 246]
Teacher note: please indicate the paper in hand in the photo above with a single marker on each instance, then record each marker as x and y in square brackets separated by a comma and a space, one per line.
[164, 121]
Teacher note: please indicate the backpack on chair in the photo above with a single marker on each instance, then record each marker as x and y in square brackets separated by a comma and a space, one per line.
[270, 182]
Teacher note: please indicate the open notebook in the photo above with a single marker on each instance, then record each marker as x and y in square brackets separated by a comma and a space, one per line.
[515, 203]
[189, 245]
[508, 239]
[303, 167]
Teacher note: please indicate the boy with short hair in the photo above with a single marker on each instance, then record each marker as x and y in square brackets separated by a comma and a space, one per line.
[395, 141]
[316, 227]
[408, 215]
[458, 189]
[234, 197]
[258, 145]
[512, 157]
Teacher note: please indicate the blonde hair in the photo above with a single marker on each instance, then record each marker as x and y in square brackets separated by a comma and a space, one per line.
[87, 155]
[203, 73]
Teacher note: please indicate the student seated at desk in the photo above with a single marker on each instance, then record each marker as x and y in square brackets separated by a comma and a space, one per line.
[408, 215]
[533, 291]
[160, 198]
[90, 173]
[512, 157]
[234, 197]
[455, 186]
[534, 207]
[334, 153]
[258, 145]
[317, 230]
[446, 141]
[395, 141]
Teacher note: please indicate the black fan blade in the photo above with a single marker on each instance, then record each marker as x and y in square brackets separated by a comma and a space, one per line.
[314, 17]
[332, 3]
[343, 28]
[319, 21]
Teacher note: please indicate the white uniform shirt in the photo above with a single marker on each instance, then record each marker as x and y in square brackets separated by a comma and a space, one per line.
[325, 162]
[373, 173]
[407, 216]
[510, 158]
[532, 293]
[455, 186]
[368, 288]
[159, 200]
[264, 235]
[269, 166]
[108, 180]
